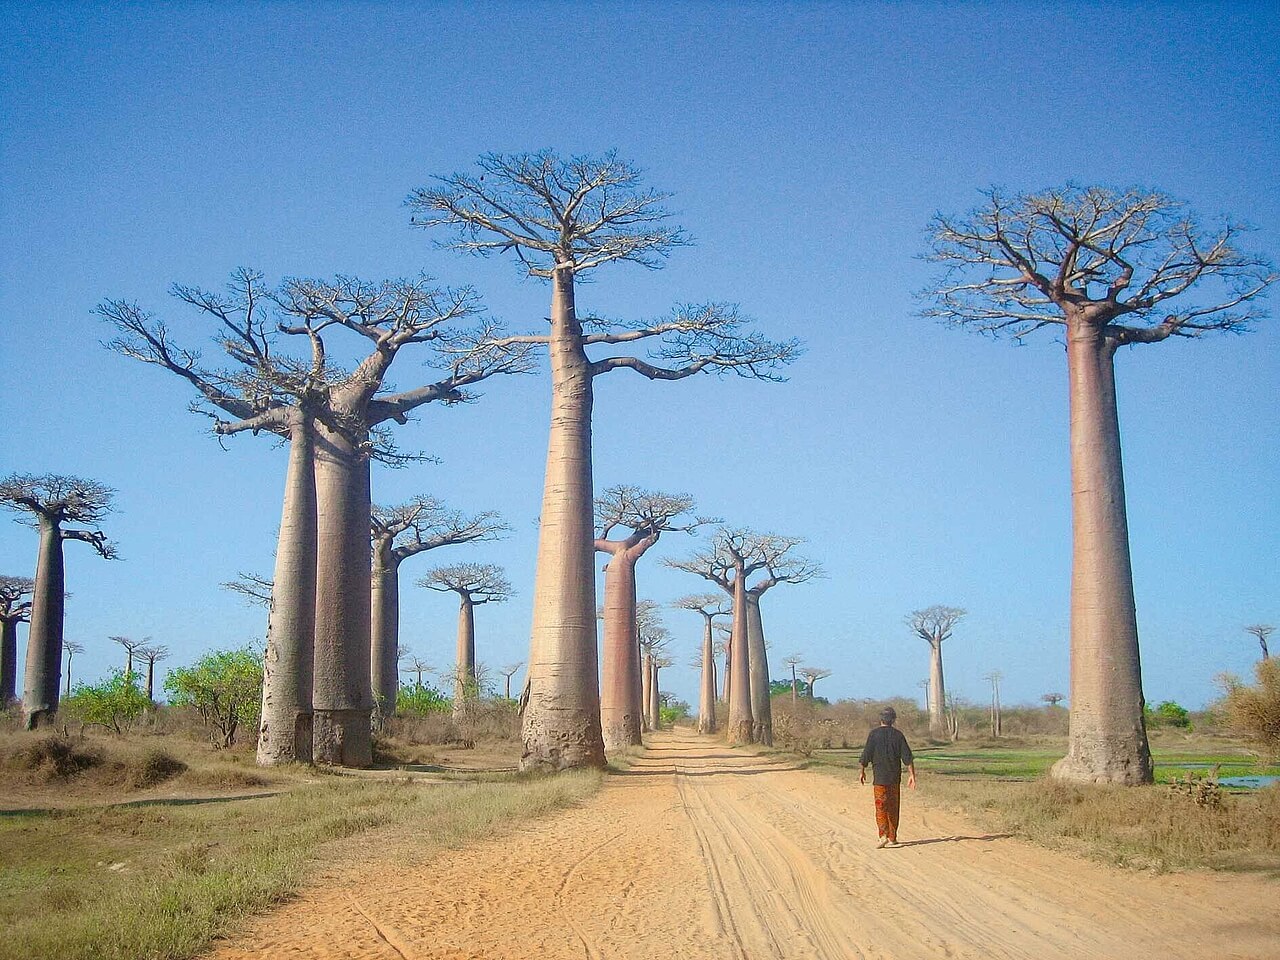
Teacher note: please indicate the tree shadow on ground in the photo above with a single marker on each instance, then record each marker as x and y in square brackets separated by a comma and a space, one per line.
[985, 838]
[157, 802]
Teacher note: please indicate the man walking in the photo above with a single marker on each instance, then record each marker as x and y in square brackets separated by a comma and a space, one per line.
[887, 751]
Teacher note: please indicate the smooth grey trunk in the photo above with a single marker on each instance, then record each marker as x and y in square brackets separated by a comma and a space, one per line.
[707, 697]
[44, 635]
[741, 727]
[620, 707]
[285, 727]
[646, 679]
[384, 632]
[8, 661]
[761, 707]
[1108, 737]
[727, 673]
[938, 728]
[464, 679]
[561, 724]
[151, 677]
[343, 693]
[655, 698]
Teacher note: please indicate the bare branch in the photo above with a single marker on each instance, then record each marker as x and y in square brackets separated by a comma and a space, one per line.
[935, 624]
[480, 582]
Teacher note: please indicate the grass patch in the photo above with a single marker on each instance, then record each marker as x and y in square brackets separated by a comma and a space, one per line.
[161, 881]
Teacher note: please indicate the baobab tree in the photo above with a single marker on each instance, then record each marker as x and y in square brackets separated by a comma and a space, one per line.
[660, 662]
[250, 586]
[934, 625]
[131, 646]
[1053, 699]
[724, 632]
[812, 675]
[509, 671]
[475, 584]
[642, 516]
[151, 654]
[792, 662]
[563, 218]
[994, 677]
[48, 503]
[15, 608]
[416, 665]
[1261, 631]
[1105, 268]
[398, 533]
[72, 649]
[651, 636]
[710, 606]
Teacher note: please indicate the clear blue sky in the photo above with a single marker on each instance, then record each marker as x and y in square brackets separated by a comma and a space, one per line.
[808, 145]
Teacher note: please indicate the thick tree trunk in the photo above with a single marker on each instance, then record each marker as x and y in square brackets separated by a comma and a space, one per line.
[620, 709]
[646, 678]
[343, 694]
[937, 694]
[655, 699]
[44, 635]
[1108, 736]
[707, 698]
[384, 632]
[285, 731]
[8, 662]
[464, 678]
[761, 706]
[740, 726]
[561, 727]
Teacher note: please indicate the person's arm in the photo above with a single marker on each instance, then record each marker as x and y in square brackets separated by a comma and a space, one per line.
[863, 761]
[909, 759]
[911, 775]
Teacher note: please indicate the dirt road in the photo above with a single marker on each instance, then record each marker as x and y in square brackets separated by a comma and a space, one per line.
[704, 852]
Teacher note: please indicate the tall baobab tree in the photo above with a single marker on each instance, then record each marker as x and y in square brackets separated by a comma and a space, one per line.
[15, 608]
[1261, 631]
[812, 675]
[475, 584]
[724, 633]
[934, 625]
[792, 662]
[151, 654]
[509, 671]
[399, 533]
[710, 606]
[49, 503]
[994, 677]
[651, 636]
[1105, 268]
[563, 218]
[317, 690]
[660, 662]
[131, 646]
[643, 516]
[71, 648]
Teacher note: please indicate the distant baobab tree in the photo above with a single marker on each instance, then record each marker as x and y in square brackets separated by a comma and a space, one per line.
[710, 606]
[562, 218]
[642, 516]
[651, 636]
[417, 666]
[1104, 267]
[1053, 699]
[994, 677]
[475, 584]
[660, 662]
[151, 654]
[1261, 631]
[398, 533]
[723, 634]
[509, 671]
[131, 646]
[71, 648]
[48, 503]
[934, 625]
[812, 675]
[791, 663]
[15, 608]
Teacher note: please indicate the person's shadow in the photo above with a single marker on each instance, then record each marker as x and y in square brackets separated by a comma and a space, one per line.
[985, 838]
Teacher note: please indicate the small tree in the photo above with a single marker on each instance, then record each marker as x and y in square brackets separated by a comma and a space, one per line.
[151, 654]
[224, 687]
[509, 671]
[416, 665]
[994, 677]
[934, 625]
[131, 646]
[71, 648]
[1261, 631]
[791, 663]
[1169, 714]
[709, 606]
[14, 609]
[1254, 711]
[812, 675]
[1053, 699]
[114, 704]
[475, 584]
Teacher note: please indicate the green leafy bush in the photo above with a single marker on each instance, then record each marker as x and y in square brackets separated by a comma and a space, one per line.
[419, 699]
[224, 687]
[1168, 714]
[115, 703]
[672, 712]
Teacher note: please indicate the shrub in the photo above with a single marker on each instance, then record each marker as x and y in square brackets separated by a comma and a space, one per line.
[115, 703]
[1254, 711]
[54, 758]
[224, 688]
[1169, 714]
[672, 712]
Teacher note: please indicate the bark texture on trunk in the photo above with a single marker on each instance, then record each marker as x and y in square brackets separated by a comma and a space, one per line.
[561, 725]
[620, 708]
[464, 679]
[8, 662]
[44, 635]
[937, 694]
[343, 694]
[1108, 737]
[285, 727]
[761, 707]
[707, 695]
[741, 726]
[384, 633]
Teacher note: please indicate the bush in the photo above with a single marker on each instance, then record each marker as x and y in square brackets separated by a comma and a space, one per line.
[224, 688]
[114, 704]
[1169, 714]
[672, 712]
[54, 758]
[1254, 712]
[420, 699]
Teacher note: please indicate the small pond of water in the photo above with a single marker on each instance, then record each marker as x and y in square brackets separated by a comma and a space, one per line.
[1248, 782]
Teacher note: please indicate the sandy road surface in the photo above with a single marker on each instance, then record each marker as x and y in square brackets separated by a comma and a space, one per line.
[704, 852]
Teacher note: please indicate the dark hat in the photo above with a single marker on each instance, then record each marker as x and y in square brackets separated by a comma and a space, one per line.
[888, 715]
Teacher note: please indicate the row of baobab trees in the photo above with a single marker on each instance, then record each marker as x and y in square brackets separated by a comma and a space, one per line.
[1107, 268]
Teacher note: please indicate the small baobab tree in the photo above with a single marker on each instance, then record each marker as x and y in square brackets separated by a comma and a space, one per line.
[1261, 631]
[994, 678]
[131, 647]
[48, 503]
[1052, 699]
[1108, 269]
[724, 634]
[812, 675]
[651, 637]
[563, 218]
[791, 663]
[656, 698]
[508, 671]
[15, 608]
[401, 532]
[412, 663]
[151, 654]
[642, 516]
[475, 584]
[251, 587]
[934, 625]
[71, 648]
[709, 606]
